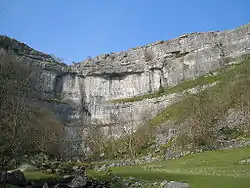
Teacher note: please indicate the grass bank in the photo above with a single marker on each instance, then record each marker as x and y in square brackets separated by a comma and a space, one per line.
[211, 169]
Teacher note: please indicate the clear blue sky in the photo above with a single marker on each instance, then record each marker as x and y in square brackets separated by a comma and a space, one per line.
[75, 29]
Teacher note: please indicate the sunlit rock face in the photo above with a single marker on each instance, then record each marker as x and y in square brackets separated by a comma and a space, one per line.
[84, 90]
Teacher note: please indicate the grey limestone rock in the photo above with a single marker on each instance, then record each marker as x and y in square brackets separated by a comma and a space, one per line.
[80, 94]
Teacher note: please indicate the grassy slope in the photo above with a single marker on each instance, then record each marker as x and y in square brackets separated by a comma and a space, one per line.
[225, 77]
[216, 96]
[212, 169]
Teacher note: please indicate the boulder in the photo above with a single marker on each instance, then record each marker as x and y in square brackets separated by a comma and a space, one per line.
[173, 184]
[45, 185]
[16, 177]
[75, 182]
[170, 184]
[75, 168]
[49, 171]
[61, 185]
[245, 161]
[67, 178]
[78, 181]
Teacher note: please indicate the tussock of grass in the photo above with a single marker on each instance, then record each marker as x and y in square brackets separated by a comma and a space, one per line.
[207, 170]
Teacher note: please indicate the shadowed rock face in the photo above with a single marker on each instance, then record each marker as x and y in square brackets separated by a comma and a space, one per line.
[83, 90]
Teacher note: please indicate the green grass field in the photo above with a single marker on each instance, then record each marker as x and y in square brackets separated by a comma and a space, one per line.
[211, 169]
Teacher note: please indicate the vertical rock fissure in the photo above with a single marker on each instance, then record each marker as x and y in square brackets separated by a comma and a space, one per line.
[183, 69]
[84, 106]
[57, 87]
[222, 54]
[150, 80]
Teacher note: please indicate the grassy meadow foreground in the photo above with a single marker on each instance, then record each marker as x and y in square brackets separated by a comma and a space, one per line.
[211, 169]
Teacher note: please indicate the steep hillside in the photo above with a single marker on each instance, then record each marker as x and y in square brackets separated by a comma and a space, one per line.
[212, 115]
[118, 91]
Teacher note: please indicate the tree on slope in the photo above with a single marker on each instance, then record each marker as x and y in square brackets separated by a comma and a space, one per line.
[17, 90]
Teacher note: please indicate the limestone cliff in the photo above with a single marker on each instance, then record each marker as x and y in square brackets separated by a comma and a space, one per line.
[81, 93]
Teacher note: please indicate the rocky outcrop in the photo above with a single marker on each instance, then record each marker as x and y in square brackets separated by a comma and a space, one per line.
[14, 177]
[81, 93]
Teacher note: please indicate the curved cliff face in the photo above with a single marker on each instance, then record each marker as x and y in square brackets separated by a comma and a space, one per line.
[83, 91]
[167, 63]
[143, 70]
